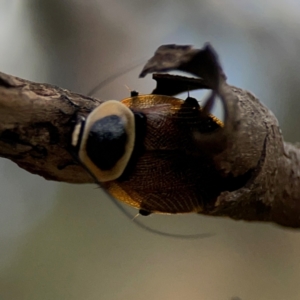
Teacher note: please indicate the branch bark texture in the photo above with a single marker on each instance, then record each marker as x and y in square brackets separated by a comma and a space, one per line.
[261, 172]
[36, 121]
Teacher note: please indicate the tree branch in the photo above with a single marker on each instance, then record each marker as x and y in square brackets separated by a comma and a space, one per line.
[36, 121]
[246, 170]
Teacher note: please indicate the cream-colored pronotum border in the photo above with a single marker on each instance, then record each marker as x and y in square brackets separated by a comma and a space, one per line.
[111, 107]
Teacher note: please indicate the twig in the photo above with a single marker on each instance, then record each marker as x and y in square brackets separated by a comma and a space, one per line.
[35, 125]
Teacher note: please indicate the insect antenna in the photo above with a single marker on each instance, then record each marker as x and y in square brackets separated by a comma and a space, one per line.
[115, 76]
[155, 231]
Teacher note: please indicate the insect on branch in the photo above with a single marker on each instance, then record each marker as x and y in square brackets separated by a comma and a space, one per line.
[168, 155]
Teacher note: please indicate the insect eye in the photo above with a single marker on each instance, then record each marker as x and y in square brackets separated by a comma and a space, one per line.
[108, 140]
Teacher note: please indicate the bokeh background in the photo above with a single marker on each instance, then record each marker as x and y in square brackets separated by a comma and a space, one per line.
[61, 241]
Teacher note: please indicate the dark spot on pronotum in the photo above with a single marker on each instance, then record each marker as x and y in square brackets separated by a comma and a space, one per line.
[106, 142]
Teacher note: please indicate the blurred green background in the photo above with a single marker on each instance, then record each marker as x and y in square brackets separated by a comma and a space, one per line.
[62, 241]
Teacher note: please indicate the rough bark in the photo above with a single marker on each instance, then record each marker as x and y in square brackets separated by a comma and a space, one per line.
[36, 121]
